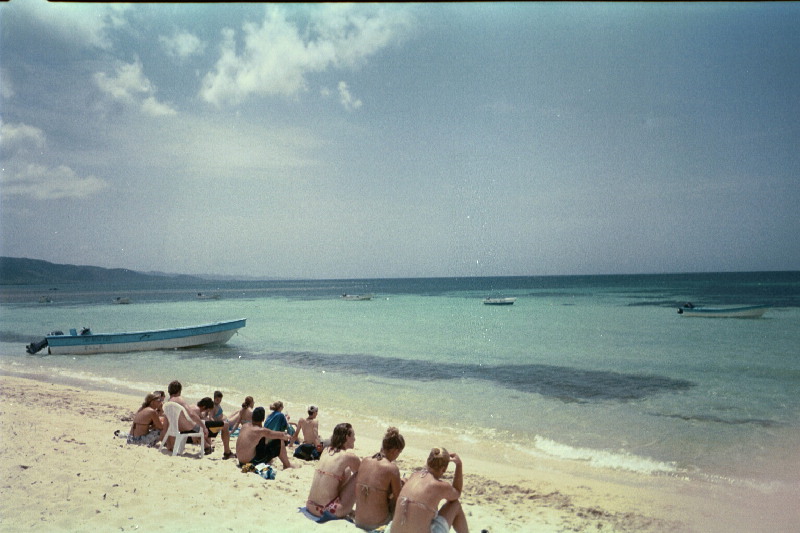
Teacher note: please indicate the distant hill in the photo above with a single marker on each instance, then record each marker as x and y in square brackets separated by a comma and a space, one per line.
[22, 271]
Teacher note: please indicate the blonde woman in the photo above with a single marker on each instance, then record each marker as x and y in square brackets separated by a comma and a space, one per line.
[417, 508]
[147, 427]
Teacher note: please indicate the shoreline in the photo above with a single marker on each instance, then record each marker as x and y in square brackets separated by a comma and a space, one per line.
[61, 453]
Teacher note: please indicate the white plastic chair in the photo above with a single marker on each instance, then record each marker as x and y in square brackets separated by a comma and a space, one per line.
[173, 411]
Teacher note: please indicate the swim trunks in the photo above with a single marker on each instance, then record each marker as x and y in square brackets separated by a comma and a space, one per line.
[438, 525]
[214, 427]
[145, 440]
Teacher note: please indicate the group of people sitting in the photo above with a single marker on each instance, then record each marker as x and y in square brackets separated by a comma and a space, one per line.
[368, 491]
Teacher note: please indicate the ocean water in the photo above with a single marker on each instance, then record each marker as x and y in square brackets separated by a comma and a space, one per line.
[596, 370]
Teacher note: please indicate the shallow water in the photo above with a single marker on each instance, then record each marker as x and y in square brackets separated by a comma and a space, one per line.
[599, 369]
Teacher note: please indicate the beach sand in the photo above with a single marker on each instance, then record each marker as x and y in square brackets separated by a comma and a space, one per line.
[63, 470]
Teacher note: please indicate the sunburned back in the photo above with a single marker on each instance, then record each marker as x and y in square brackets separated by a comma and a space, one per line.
[331, 474]
[143, 420]
[418, 503]
[375, 484]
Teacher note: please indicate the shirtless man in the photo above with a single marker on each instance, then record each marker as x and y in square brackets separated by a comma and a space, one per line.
[416, 509]
[311, 446]
[193, 423]
[378, 483]
[252, 447]
[205, 409]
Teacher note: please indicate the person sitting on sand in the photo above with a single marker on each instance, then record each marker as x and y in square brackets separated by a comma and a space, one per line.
[333, 488]
[378, 483]
[416, 508]
[243, 416]
[311, 446]
[205, 410]
[217, 413]
[192, 424]
[252, 446]
[147, 426]
[277, 421]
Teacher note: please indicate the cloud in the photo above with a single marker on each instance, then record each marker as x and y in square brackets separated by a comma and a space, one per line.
[278, 54]
[85, 25]
[182, 45]
[21, 144]
[346, 98]
[20, 138]
[47, 183]
[132, 88]
[6, 87]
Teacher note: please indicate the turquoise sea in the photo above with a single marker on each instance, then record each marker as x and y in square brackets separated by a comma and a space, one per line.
[599, 370]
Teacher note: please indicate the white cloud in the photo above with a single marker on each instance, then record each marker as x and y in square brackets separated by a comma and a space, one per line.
[6, 87]
[182, 45]
[277, 55]
[47, 183]
[154, 108]
[20, 137]
[347, 99]
[131, 87]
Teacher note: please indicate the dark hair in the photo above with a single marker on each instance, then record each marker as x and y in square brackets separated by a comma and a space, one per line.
[175, 388]
[393, 440]
[217, 394]
[248, 402]
[259, 414]
[340, 434]
[206, 403]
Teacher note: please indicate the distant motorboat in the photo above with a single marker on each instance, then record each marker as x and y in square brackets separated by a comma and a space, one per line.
[750, 311]
[86, 342]
[357, 297]
[499, 301]
[122, 300]
[215, 296]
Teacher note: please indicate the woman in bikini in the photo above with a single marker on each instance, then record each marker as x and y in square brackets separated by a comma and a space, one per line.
[416, 509]
[378, 483]
[244, 416]
[333, 489]
[147, 426]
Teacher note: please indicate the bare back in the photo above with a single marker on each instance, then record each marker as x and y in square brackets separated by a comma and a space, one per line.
[418, 503]
[144, 420]
[334, 470]
[249, 437]
[377, 489]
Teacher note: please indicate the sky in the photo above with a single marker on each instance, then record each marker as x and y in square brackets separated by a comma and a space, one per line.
[401, 140]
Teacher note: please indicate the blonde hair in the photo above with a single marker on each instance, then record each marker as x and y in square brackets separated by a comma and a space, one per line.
[277, 406]
[438, 459]
[149, 398]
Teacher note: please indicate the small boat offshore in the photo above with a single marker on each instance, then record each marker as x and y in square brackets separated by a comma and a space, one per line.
[86, 342]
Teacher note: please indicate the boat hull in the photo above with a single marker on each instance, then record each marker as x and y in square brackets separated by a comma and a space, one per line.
[499, 301]
[164, 339]
[753, 311]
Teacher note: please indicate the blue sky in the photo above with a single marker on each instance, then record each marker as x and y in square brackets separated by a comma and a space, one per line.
[394, 140]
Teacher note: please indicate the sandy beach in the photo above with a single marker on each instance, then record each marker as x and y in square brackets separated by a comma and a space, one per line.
[64, 470]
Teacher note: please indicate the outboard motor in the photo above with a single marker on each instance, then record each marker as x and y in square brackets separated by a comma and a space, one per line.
[35, 347]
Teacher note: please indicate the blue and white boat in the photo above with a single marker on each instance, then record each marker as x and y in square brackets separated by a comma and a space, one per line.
[750, 311]
[86, 342]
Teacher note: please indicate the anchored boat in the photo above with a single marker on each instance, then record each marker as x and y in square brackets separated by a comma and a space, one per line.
[86, 342]
[750, 311]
